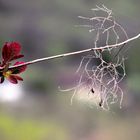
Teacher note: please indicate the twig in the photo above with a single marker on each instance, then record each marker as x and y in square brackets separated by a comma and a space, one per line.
[74, 53]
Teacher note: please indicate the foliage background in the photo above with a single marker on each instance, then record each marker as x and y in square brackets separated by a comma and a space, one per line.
[44, 28]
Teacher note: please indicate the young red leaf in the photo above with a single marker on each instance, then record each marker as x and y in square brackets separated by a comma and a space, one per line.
[11, 51]
[12, 79]
[19, 69]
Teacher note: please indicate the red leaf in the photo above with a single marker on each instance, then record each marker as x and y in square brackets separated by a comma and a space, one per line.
[17, 57]
[12, 79]
[11, 51]
[19, 69]
[18, 77]
[2, 79]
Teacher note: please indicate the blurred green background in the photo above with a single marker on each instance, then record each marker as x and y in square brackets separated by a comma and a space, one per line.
[36, 109]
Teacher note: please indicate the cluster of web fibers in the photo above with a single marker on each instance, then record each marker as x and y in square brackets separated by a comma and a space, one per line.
[99, 82]
[104, 28]
[99, 79]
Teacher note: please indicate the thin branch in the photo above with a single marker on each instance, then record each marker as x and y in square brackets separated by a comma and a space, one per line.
[74, 53]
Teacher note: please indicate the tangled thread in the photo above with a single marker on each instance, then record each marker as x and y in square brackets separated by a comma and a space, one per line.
[98, 78]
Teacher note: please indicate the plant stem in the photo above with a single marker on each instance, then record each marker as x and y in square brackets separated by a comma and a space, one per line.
[74, 53]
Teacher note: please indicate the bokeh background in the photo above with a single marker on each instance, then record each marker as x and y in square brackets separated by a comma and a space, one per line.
[35, 109]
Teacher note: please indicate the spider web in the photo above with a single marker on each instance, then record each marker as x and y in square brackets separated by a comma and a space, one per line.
[98, 78]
